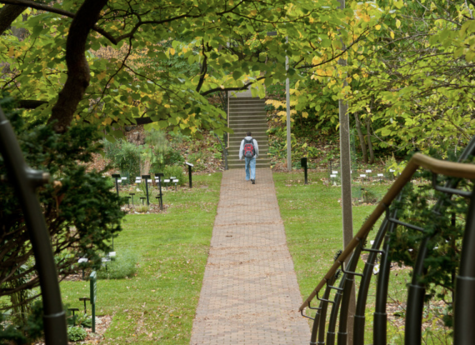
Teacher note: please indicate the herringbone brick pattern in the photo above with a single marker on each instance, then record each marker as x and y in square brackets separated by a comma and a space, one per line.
[250, 293]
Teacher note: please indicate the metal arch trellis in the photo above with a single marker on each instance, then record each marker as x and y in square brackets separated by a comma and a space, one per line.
[464, 332]
[25, 180]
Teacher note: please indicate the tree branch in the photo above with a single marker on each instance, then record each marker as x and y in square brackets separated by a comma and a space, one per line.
[231, 88]
[8, 14]
[334, 57]
[204, 69]
[30, 103]
[41, 7]
[143, 120]
[78, 68]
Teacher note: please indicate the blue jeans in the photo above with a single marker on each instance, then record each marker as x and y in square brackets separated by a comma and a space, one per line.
[250, 163]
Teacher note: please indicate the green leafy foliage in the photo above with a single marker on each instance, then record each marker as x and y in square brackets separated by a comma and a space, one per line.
[177, 172]
[24, 332]
[76, 333]
[412, 81]
[159, 151]
[124, 156]
[164, 70]
[81, 211]
[443, 221]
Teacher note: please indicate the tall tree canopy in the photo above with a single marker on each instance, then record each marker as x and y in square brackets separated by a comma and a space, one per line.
[128, 62]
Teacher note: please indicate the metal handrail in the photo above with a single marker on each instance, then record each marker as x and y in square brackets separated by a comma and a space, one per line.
[417, 161]
[25, 181]
[225, 152]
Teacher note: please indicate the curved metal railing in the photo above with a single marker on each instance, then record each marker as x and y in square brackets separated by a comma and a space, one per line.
[325, 331]
[25, 181]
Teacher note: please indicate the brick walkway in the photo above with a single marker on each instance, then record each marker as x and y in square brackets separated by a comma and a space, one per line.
[250, 293]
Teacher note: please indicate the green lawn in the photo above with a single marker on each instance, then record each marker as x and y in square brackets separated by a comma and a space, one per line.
[312, 220]
[313, 225]
[158, 305]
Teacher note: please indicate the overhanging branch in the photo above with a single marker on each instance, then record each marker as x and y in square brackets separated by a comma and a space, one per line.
[242, 88]
[42, 7]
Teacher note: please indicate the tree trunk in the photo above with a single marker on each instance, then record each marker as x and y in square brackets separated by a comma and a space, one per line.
[8, 14]
[370, 145]
[78, 68]
[361, 137]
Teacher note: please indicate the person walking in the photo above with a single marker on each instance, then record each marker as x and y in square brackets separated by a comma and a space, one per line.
[250, 151]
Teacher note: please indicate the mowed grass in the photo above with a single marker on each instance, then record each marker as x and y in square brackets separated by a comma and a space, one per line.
[158, 305]
[313, 223]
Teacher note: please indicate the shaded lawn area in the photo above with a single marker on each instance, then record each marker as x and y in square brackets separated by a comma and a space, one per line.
[158, 304]
[313, 226]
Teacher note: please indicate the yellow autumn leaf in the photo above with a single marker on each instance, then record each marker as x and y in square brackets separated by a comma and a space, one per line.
[366, 18]
[378, 27]
[107, 121]
[172, 51]
[392, 35]
[11, 52]
[316, 60]
[253, 12]
[305, 115]
[398, 23]
[101, 75]
[130, 100]
[167, 105]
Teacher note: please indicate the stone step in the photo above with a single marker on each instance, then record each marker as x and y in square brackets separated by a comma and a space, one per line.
[259, 160]
[235, 152]
[253, 123]
[247, 119]
[242, 166]
[246, 107]
[235, 157]
[238, 139]
[246, 100]
[263, 146]
[243, 130]
[255, 134]
[255, 113]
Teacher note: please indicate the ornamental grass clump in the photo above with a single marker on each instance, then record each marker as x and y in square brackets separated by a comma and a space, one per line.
[124, 265]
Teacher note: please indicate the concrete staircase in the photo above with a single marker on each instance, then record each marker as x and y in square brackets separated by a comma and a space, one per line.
[247, 114]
